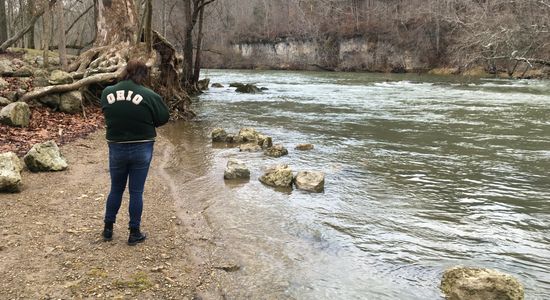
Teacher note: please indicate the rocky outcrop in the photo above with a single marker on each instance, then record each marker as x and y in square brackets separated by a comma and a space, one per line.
[70, 102]
[236, 169]
[468, 283]
[276, 151]
[10, 172]
[60, 77]
[277, 176]
[304, 147]
[311, 181]
[45, 157]
[248, 88]
[250, 147]
[16, 114]
[217, 85]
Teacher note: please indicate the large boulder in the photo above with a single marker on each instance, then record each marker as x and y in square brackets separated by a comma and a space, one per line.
[248, 135]
[52, 101]
[278, 176]
[236, 169]
[60, 77]
[4, 101]
[10, 172]
[468, 283]
[70, 102]
[6, 68]
[276, 151]
[248, 88]
[24, 71]
[203, 84]
[311, 181]
[219, 135]
[16, 114]
[45, 157]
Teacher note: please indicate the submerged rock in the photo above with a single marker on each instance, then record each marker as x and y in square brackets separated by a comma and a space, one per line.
[312, 181]
[236, 169]
[217, 85]
[45, 157]
[304, 147]
[236, 84]
[277, 176]
[248, 88]
[250, 147]
[276, 151]
[468, 283]
[16, 114]
[10, 172]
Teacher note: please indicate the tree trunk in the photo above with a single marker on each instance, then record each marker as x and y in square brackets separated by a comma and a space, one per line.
[3, 22]
[188, 43]
[46, 34]
[117, 22]
[148, 33]
[30, 34]
[21, 33]
[62, 38]
[196, 73]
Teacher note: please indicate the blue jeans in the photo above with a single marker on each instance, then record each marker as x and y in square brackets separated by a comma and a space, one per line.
[128, 162]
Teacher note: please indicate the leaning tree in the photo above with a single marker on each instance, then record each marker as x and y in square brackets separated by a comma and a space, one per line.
[118, 40]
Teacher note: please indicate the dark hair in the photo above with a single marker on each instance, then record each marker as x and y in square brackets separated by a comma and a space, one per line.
[137, 71]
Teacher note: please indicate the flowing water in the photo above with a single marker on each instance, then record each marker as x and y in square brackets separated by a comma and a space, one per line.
[422, 173]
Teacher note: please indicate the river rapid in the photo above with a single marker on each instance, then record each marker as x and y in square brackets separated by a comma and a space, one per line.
[422, 173]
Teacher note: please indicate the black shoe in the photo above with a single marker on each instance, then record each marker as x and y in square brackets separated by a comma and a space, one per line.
[136, 236]
[108, 232]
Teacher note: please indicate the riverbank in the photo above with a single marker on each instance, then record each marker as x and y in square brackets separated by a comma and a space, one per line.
[51, 245]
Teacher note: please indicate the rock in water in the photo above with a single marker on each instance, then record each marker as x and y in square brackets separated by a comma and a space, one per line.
[16, 114]
[236, 169]
[203, 84]
[219, 135]
[10, 172]
[278, 176]
[248, 88]
[304, 147]
[311, 181]
[276, 151]
[468, 283]
[251, 147]
[247, 135]
[45, 157]
[217, 85]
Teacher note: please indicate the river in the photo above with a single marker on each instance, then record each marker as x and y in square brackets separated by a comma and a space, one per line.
[422, 173]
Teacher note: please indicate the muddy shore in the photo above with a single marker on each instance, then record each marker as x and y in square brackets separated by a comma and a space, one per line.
[50, 244]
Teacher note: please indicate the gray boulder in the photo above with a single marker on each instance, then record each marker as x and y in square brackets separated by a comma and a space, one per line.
[219, 135]
[16, 114]
[60, 77]
[4, 101]
[70, 102]
[248, 88]
[40, 81]
[12, 96]
[45, 157]
[311, 181]
[276, 151]
[52, 101]
[10, 172]
[304, 147]
[3, 84]
[236, 84]
[217, 85]
[6, 68]
[250, 147]
[468, 283]
[203, 84]
[24, 71]
[277, 176]
[236, 169]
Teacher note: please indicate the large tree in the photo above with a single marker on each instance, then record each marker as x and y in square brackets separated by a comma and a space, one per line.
[3, 22]
[117, 42]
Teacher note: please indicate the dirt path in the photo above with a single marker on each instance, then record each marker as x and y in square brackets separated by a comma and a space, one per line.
[50, 245]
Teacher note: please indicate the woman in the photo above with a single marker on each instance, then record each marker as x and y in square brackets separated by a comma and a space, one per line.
[132, 112]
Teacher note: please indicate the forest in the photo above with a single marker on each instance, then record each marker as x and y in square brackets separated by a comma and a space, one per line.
[499, 36]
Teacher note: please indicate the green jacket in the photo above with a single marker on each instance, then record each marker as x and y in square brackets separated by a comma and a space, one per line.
[132, 112]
